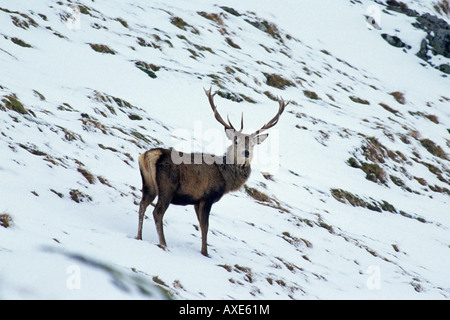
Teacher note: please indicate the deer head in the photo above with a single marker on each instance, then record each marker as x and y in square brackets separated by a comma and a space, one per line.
[241, 150]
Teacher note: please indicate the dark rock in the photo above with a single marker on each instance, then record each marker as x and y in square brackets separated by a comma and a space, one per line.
[401, 8]
[231, 11]
[438, 35]
[422, 54]
[445, 68]
[395, 41]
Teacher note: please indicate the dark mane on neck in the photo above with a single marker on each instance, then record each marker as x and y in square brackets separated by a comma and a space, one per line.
[235, 175]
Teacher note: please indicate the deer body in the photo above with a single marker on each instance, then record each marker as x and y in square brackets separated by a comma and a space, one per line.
[194, 182]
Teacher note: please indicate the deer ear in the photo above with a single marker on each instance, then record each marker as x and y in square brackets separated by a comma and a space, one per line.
[231, 134]
[261, 138]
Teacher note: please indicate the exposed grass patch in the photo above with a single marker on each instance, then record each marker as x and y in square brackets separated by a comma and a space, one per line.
[79, 196]
[277, 81]
[356, 201]
[388, 108]
[89, 176]
[122, 22]
[359, 100]
[231, 43]
[133, 116]
[267, 27]
[263, 198]
[432, 118]
[6, 220]
[32, 149]
[442, 7]
[231, 11]
[311, 95]
[433, 148]
[376, 152]
[59, 194]
[212, 16]
[373, 171]
[39, 95]
[102, 48]
[183, 25]
[148, 68]
[348, 197]
[11, 102]
[399, 97]
[91, 124]
[20, 42]
[179, 23]
[230, 96]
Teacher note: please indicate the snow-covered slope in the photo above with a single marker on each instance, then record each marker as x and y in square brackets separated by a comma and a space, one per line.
[349, 198]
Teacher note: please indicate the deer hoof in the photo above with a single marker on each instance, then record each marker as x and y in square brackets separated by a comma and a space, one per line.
[162, 246]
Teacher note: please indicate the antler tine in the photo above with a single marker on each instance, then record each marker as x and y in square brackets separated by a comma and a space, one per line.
[274, 120]
[216, 113]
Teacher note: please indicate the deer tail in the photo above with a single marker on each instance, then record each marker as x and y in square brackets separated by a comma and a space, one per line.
[147, 165]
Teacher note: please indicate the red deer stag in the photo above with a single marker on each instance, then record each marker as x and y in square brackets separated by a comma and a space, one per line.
[191, 182]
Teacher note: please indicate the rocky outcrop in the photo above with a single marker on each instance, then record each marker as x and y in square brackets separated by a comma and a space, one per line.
[438, 33]
[437, 41]
[395, 41]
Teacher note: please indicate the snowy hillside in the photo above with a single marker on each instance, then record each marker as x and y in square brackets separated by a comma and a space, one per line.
[349, 198]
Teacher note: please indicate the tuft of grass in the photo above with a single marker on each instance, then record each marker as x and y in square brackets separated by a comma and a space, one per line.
[179, 23]
[6, 220]
[102, 48]
[374, 172]
[433, 148]
[348, 197]
[442, 7]
[89, 176]
[359, 100]
[39, 95]
[432, 118]
[79, 196]
[12, 103]
[277, 81]
[231, 11]
[211, 16]
[311, 95]
[148, 68]
[256, 194]
[122, 22]
[32, 149]
[399, 97]
[134, 116]
[388, 108]
[231, 43]
[20, 42]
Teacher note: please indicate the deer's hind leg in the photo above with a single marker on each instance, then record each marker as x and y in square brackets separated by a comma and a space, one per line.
[166, 193]
[147, 198]
[158, 214]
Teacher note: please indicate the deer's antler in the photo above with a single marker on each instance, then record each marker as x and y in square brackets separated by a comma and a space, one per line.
[274, 121]
[218, 116]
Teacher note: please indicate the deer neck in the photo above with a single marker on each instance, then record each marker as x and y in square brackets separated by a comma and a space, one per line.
[235, 175]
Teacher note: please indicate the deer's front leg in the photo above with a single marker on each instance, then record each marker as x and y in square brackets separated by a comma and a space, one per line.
[203, 209]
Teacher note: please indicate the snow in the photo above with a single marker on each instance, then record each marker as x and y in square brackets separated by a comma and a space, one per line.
[301, 244]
